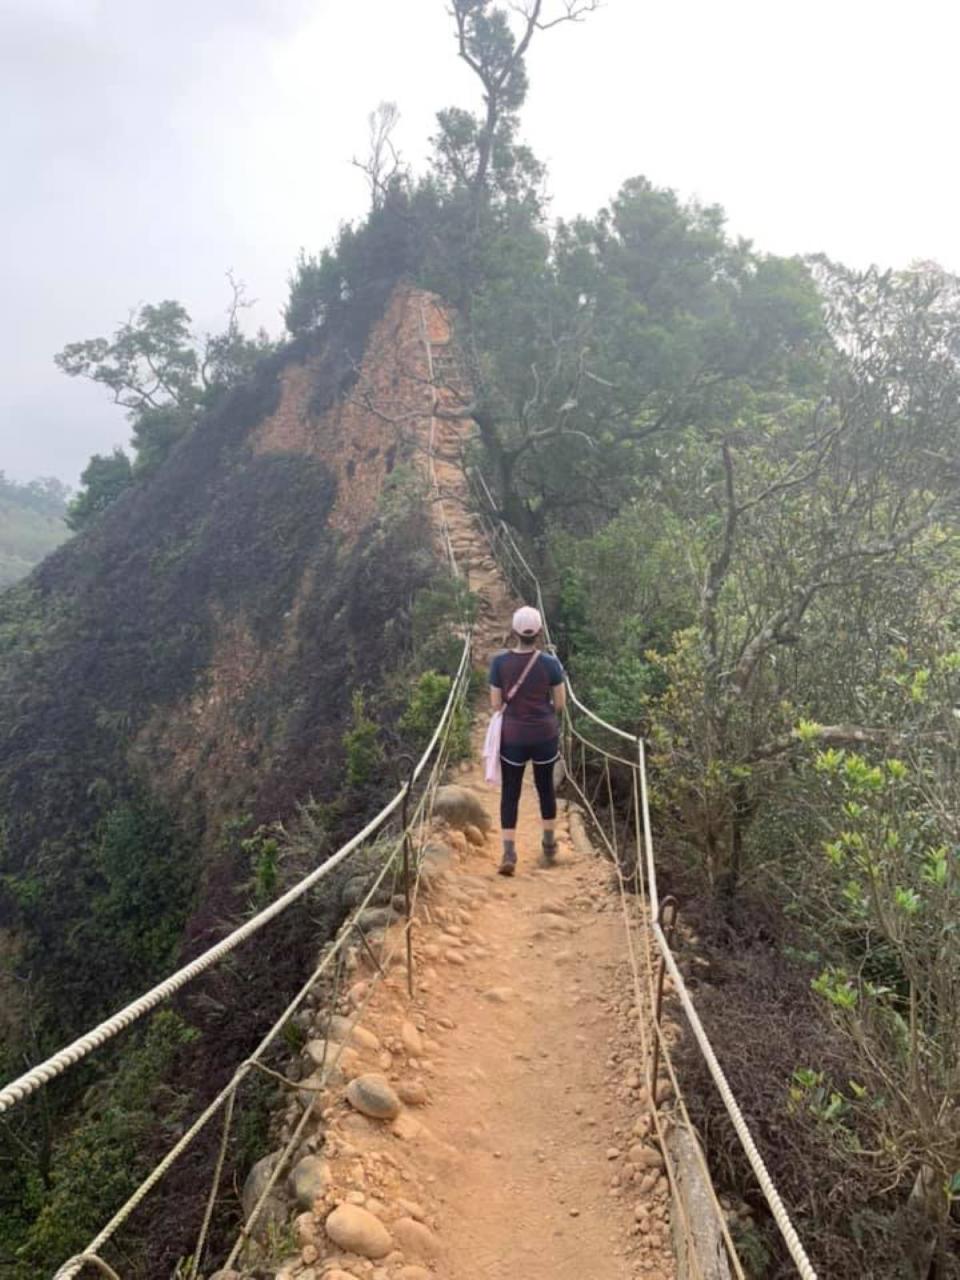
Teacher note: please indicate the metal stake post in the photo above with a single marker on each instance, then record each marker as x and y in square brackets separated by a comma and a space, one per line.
[669, 904]
[408, 931]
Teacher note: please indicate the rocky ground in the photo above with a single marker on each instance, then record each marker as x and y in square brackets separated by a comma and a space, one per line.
[495, 1125]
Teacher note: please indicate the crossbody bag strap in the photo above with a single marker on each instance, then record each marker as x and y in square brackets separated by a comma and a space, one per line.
[523, 675]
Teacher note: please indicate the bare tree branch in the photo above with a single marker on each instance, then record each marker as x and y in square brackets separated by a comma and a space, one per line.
[847, 735]
[383, 161]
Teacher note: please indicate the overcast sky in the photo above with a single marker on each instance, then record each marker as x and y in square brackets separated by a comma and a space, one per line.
[148, 146]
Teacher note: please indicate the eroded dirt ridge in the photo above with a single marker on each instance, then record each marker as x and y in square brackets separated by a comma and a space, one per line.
[495, 1125]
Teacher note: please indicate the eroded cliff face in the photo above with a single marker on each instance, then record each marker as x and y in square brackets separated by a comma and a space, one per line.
[189, 663]
[344, 592]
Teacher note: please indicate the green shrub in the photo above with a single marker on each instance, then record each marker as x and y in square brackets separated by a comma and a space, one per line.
[98, 1164]
[427, 701]
[263, 850]
[360, 742]
[438, 609]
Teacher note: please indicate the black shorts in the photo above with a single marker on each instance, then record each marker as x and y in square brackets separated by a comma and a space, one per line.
[546, 752]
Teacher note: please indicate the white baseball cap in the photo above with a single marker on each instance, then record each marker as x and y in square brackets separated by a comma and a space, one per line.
[527, 621]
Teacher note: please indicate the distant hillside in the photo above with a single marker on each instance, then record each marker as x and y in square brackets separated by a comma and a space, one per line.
[31, 525]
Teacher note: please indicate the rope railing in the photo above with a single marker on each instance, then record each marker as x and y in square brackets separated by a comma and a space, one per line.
[521, 574]
[225, 1100]
[28, 1083]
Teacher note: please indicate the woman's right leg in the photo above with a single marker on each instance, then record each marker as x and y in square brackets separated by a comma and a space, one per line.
[544, 760]
[511, 782]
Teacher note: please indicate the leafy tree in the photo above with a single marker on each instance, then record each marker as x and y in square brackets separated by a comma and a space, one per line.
[641, 324]
[102, 481]
[361, 744]
[425, 707]
[886, 893]
[165, 377]
[382, 165]
[819, 520]
[480, 153]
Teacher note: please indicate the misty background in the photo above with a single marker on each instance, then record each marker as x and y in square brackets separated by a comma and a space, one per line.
[149, 146]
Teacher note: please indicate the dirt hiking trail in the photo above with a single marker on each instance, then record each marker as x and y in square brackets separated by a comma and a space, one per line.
[495, 1125]
[531, 1076]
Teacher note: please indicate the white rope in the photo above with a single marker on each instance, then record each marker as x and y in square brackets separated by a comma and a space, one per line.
[777, 1207]
[42, 1074]
[74, 1265]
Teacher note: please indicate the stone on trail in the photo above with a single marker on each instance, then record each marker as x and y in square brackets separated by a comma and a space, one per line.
[358, 993]
[406, 1128]
[475, 836]
[357, 1231]
[336, 1057]
[310, 1178]
[436, 862]
[551, 920]
[316, 1082]
[412, 1092]
[416, 1239]
[257, 1179]
[500, 995]
[305, 1228]
[371, 918]
[412, 1040]
[274, 1211]
[372, 1096]
[461, 808]
[459, 841]
[343, 1029]
[645, 1157]
[357, 887]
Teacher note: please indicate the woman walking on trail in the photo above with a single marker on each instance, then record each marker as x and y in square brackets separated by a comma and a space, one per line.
[528, 685]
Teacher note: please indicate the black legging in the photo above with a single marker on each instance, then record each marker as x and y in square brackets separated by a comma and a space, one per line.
[512, 781]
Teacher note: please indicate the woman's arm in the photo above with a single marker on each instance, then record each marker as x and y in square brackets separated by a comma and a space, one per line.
[559, 694]
[496, 698]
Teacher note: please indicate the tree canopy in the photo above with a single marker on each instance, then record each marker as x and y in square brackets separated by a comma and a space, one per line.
[165, 377]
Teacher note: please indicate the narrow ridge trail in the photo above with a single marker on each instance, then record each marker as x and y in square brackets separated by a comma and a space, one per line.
[520, 1154]
[533, 1089]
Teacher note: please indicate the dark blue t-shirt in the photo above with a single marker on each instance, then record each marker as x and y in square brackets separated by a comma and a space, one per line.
[530, 717]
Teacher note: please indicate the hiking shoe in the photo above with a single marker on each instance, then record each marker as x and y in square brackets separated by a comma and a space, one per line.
[508, 864]
[548, 855]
